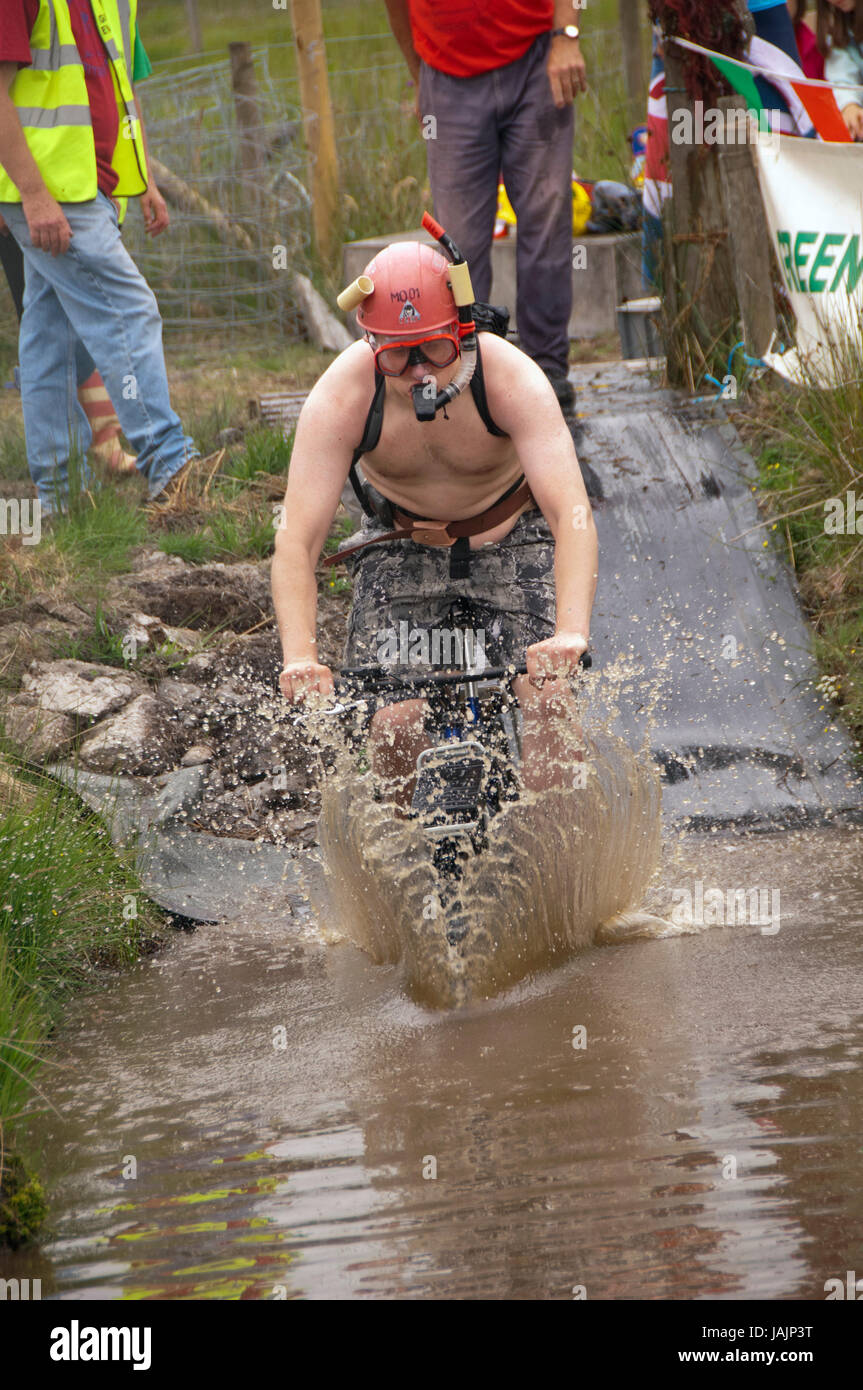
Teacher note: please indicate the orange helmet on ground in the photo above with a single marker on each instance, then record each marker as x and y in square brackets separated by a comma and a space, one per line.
[412, 291]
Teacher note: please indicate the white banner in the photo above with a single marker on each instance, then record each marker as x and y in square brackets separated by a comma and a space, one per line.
[813, 197]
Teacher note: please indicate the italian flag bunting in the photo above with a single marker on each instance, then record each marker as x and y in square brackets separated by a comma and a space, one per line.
[811, 103]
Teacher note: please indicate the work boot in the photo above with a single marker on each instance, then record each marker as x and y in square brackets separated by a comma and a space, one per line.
[562, 387]
[174, 496]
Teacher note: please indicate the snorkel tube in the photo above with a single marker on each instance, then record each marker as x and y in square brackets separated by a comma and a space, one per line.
[427, 402]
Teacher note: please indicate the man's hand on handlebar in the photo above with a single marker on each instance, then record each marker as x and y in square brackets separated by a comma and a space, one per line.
[557, 656]
[302, 678]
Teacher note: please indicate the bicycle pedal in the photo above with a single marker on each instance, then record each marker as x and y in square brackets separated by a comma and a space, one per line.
[449, 785]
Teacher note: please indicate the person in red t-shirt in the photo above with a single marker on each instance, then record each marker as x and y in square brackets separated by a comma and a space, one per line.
[496, 82]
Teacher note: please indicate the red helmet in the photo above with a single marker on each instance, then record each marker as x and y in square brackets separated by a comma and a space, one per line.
[412, 291]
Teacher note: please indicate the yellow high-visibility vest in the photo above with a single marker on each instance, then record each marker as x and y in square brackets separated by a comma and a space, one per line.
[51, 99]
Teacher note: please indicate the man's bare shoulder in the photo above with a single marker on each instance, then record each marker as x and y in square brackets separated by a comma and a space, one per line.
[516, 387]
[342, 395]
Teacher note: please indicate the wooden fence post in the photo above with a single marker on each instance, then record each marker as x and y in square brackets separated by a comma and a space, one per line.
[632, 43]
[749, 238]
[318, 124]
[698, 258]
[248, 110]
[194, 26]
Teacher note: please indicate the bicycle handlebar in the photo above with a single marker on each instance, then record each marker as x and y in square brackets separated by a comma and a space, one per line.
[380, 677]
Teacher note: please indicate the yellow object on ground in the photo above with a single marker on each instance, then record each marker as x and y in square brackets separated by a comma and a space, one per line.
[506, 215]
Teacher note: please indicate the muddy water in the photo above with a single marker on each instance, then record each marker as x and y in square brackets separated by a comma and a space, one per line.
[559, 864]
[285, 1105]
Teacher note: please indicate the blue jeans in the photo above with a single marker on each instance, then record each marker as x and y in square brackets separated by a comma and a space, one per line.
[505, 122]
[91, 307]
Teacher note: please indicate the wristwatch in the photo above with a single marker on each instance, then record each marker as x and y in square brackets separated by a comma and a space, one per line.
[569, 31]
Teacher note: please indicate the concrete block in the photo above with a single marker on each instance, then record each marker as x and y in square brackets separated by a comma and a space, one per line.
[606, 271]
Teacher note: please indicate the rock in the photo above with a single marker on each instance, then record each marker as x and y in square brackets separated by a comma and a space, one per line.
[135, 740]
[215, 781]
[227, 694]
[180, 794]
[183, 637]
[233, 434]
[259, 747]
[142, 629]
[291, 826]
[36, 733]
[152, 562]
[260, 794]
[81, 688]
[291, 786]
[180, 695]
[124, 803]
[195, 756]
[202, 666]
[64, 612]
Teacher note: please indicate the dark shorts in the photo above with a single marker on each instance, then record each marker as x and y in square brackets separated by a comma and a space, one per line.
[408, 611]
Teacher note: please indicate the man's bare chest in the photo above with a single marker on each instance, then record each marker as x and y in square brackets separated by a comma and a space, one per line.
[457, 448]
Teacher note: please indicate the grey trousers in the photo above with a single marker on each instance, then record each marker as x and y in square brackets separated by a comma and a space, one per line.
[504, 122]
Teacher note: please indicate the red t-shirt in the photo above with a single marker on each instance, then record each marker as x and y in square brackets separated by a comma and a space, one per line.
[17, 18]
[467, 37]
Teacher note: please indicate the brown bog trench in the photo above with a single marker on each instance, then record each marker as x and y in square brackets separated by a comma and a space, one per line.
[262, 1112]
[298, 1129]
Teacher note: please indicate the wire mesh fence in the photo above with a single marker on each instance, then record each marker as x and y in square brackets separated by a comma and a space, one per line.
[237, 233]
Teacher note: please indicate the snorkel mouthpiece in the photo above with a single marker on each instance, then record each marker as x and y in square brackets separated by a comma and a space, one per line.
[425, 398]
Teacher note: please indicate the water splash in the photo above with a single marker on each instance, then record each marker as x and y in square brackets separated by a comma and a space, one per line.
[560, 865]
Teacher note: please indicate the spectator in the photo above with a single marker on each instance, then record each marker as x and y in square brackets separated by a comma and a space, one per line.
[840, 39]
[94, 399]
[811, 60]
[496, 86]
[657, 171]
[60, 181]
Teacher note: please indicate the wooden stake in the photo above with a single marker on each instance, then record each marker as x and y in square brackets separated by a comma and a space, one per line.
[700, 251]
[194, 26]
[749, 239]
[318, 123]
[247, 106]
[632, 41]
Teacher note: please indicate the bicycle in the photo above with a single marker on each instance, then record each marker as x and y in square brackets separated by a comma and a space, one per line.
[471, 770]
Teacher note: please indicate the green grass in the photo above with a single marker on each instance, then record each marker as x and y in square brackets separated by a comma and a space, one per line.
[225, 536]
[101, 644]
[266, 451]
[99, 530]
[13, 451]
[68, 906]
[809, 445]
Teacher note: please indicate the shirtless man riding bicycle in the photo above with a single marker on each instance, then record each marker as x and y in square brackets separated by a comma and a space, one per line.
[477, 515]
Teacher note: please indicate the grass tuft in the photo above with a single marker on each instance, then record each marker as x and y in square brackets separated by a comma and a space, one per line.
[68, 905]
[809, 444]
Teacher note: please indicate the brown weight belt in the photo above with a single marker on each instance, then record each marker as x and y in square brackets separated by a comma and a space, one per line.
[443, 533]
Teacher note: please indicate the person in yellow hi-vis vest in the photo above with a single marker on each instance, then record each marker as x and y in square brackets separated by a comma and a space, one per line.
[71, 144]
